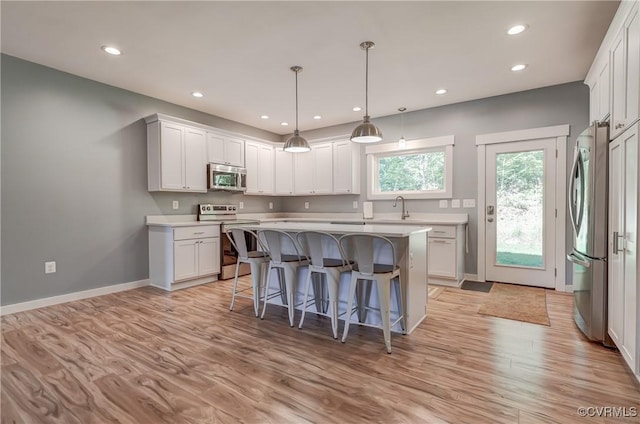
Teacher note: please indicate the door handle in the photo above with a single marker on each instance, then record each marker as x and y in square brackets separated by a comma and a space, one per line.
[571, 257]
[490, 210]
[616, 243]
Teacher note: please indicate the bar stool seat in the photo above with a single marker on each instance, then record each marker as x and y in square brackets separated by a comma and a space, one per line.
[363, 247]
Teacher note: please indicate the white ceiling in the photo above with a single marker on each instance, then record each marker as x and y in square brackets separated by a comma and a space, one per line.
[239, 53]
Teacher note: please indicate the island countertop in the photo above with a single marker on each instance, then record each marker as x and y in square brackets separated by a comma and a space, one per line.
[391, 230]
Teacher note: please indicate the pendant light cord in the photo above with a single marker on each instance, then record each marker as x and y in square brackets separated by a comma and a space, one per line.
[366, 83]
[296, 100]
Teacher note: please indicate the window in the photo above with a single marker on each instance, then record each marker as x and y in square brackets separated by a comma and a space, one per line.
[421, 170]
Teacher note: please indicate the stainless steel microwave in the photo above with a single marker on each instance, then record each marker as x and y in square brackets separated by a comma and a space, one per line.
[224, 177]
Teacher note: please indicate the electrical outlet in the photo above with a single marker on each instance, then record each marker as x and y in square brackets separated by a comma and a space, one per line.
[50, 267]
[306, 205]
[455, 203]
[241, 205]
[176, 204]
[443, 204]
[355, 204]
[270, 205]
[469, 203]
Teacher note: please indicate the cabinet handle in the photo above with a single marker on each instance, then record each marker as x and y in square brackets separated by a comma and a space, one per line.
[199, 232]
[438, 231]
[439, 241]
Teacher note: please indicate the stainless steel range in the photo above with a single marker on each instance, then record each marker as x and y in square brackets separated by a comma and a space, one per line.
[226, 216]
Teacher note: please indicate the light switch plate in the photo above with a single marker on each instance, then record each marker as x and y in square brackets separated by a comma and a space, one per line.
[176, 204]
[355, 204]
[455, 203]
[306, 205]
[50, 267]
[241, 205]
[443, 204]
[270, 205]
[469, 203]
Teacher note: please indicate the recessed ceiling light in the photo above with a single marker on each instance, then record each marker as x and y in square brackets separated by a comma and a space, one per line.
[264, 116]
[197, 94]
[516, 29]
[441, 91]
[317, 117]
[111, 50]
[284, 124]
[517, 68]
[357, 109]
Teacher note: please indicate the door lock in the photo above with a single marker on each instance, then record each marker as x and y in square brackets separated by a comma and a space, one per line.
[489, 210]
[490, 219]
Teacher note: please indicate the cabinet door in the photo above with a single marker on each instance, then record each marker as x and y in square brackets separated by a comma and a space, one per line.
[283, 172]
[215, 148]
[633, 67]
[603, 93]
[594, 101]
[251, 159]
[618, 89]
[342, 167]
[208, 256]
[629, 299]
[615, 258]
[185, 259]
[171, 157]
[234, 152]
[442, 258]
[195, 166]
[322, 168]
[265, 167]
[303, 172]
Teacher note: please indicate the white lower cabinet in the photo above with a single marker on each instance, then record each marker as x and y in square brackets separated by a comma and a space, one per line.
[446, 254]
[183, 256]
[623, 292]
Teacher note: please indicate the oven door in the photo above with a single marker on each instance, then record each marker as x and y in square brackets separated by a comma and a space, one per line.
[223, 177]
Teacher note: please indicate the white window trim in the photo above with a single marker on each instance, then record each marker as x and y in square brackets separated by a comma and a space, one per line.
[411, 146]
[560, 133]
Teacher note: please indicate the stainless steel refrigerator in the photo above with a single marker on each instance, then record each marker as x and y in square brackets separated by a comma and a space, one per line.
[588, 197]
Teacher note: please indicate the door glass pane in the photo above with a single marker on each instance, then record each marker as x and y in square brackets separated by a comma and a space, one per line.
[520, 208]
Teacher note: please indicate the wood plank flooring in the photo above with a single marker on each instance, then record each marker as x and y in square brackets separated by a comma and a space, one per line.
[146, 356]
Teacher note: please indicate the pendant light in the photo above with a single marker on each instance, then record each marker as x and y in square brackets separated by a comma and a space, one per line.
[402, 143]
[296, 143]
[366, 132]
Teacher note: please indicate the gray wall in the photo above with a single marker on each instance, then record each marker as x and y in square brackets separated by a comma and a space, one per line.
[561, 104]
[74, 181]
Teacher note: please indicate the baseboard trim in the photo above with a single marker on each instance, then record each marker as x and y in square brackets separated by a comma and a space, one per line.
[64, 298]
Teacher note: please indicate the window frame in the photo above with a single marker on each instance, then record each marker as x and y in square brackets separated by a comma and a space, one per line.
[437, 144]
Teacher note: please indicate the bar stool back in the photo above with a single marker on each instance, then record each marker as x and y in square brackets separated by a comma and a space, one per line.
[285, 258]
[327, 260]
[364, 248]
[256, 260]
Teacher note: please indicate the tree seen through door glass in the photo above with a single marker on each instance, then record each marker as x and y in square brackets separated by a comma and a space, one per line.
[417, 172]
[520, 208]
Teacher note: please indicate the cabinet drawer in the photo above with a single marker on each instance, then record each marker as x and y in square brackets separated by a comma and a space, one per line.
[442, 231]
[185, 233]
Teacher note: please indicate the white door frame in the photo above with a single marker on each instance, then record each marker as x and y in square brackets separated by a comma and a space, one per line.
[560, 132]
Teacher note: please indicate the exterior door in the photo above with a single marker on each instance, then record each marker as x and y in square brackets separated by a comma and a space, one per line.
[520, 212]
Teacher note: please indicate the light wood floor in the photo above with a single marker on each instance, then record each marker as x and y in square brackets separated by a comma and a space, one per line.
[145, 356]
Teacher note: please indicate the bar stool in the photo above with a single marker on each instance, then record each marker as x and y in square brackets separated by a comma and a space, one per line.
[319, 247]
[365, 248]
[256, 259]
[285, 264]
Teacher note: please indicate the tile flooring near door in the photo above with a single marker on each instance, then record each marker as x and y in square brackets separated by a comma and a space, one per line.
[146, 356]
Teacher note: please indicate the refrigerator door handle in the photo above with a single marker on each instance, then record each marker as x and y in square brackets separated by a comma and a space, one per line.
[572, 257]
[572, 191]
[580, 212]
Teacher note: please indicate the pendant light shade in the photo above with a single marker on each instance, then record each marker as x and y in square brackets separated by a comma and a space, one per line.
[296, 143]
[366, 132]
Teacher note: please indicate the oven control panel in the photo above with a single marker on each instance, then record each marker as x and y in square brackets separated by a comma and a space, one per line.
[209, 211]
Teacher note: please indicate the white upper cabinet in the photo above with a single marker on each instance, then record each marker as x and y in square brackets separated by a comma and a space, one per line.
[283, 172]
[175, 157]
[322, 155]
[303, 172]
[614, 77]
[346, 167]
[225, 150]
[260, 168]
[625, 75]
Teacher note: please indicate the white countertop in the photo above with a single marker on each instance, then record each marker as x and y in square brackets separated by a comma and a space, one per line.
[177, 221]
[377, 229]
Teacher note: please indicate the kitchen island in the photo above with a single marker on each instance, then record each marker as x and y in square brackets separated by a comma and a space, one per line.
[410, 243]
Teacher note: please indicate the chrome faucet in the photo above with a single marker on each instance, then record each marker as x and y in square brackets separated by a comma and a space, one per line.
[405, 213]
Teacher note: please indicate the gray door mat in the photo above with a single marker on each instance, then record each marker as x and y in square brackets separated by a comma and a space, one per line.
[479, 286]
